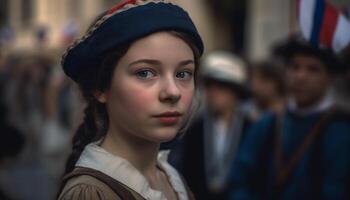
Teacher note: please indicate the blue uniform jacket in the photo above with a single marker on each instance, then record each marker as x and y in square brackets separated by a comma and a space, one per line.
[323, 172]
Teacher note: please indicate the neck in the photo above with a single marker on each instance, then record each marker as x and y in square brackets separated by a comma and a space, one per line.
[225, 116]
[277, 105]
[141, 153]
[322, 104]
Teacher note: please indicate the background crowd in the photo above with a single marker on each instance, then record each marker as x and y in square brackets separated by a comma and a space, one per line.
[254, 116]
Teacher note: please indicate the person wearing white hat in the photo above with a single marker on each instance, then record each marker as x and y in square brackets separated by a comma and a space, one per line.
[303, 152]
[211, 143]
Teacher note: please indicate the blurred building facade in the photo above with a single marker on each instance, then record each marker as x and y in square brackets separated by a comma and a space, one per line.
[247, 27]
[26, 18]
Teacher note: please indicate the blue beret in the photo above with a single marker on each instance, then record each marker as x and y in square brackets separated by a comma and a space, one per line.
[120, 27]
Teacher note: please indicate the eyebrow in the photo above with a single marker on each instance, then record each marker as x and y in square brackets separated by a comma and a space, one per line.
[157, 62]
[148, 61]
[186, 62]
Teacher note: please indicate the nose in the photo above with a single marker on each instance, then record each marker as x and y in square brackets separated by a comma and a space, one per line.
[300, 74]
[170, 91]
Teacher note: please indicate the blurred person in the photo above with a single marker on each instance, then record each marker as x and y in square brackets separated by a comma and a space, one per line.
[61, 102]
[7, 36]
[208, 149]
[2, 71]
[267, 82]
[41, 36]
[342, 87]
[138, 82]
[11, 144]
[303, 153]
[25, 93]
[11, 75]
[29, 99]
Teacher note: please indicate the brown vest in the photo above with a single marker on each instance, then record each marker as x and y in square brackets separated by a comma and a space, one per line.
[121, 190]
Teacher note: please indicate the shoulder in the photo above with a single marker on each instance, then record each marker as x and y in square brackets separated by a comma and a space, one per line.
[86, 187]
[339, 123]
[263, 125]
[258, 135]
[266, 119]
[336, 138]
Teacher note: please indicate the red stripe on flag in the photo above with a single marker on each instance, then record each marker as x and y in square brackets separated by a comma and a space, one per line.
[330, 20]
[120, 5]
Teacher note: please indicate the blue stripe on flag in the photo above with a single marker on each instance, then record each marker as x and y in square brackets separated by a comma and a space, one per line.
[318, 18]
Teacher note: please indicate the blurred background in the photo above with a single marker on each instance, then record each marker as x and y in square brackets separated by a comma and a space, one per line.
[40, 108]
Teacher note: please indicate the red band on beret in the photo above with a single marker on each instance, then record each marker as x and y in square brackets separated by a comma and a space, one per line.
[120, 5]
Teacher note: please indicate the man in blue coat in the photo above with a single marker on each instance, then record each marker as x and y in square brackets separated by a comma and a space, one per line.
[305, 152]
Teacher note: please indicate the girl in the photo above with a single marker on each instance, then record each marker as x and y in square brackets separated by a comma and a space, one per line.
[136, 68]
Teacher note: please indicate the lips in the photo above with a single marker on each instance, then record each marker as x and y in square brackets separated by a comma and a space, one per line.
[168, 118]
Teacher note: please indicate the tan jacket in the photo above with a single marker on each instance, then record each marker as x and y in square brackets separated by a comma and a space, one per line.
[86, 187]
[86, 183]
[118, 175]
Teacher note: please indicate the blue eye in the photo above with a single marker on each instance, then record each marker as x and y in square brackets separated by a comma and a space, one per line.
[184, 75]
[145, 74]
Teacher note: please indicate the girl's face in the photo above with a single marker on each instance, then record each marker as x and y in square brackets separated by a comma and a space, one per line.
[152, 88]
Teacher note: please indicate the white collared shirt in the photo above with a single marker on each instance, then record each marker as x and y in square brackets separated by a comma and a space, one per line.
[120, 169]
[325, 103]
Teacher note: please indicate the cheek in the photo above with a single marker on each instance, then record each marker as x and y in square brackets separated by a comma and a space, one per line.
[313, 81]
[137, 99]
[290, 80]
[187, 97]
[321, 83]
[256, 83]
[268, 88]
[217, 97]
[187, 93]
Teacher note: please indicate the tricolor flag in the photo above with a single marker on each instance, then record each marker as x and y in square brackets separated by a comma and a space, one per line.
[323, 25]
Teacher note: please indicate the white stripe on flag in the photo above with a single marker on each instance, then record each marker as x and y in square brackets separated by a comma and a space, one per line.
[341, 36]
[306, 10]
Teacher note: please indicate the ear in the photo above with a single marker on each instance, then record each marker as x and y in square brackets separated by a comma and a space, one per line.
[101, 96]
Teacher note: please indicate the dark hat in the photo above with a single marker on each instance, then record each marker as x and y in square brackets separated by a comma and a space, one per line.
[124, 23]
[296, 45]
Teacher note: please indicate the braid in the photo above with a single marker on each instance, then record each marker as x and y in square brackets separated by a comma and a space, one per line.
[89, 130]
[96, 122]
[85, 134]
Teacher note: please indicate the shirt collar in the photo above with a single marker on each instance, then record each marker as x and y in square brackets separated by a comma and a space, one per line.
[326, 102]
[120, 169]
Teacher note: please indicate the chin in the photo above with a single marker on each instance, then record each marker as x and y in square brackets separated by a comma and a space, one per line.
[305, 102]
[165, 134]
